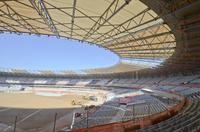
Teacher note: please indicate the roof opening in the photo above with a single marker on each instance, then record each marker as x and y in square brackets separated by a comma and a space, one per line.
[49, 53]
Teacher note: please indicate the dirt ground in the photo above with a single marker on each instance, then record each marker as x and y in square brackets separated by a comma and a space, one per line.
[36, 113]
[32, 101]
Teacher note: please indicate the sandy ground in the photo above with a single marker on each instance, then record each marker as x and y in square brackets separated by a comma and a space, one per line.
[36, 113]
[32, 101]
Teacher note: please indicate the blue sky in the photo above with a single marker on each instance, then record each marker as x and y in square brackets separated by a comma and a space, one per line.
[49, 53]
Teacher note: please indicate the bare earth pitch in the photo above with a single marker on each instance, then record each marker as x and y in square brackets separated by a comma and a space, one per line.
[36, 113]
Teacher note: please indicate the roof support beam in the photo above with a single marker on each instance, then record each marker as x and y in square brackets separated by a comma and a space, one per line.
[128, 29]
[13, 15]
[149, 44]
[145, 56]
[147, 52]
[41, 9]
[142, 38]
[133, 33]
[8, 26]
[73, 14]
[165, 48]
[111, 11]
[70, 15]
[127, 23]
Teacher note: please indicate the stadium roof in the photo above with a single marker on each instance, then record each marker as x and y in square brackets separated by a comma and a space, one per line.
[126, 27]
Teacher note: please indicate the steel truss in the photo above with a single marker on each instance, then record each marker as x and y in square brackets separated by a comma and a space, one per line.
[75, 27]
[125, 28]
[149, 44]
[167, 50]
[131, 34]
[142, 38]
[7, 26]
[73, 14]
[111, 11]
[117, 30]
[41, 9]
[13, 15]
[147, 56]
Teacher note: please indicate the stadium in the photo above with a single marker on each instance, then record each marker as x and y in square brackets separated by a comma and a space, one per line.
[125, 97]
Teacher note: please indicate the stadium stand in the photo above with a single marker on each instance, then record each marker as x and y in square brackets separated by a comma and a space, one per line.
[112, 111]
[120, 67]
[187, 120]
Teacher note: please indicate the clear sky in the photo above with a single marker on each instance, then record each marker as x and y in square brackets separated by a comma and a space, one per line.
[49, 53]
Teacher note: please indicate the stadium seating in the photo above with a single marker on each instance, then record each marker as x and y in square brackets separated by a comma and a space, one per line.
[112, 111]
[102, 116]
[187, 120]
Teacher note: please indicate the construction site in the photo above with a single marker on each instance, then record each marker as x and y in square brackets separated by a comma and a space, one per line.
[125, 97]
